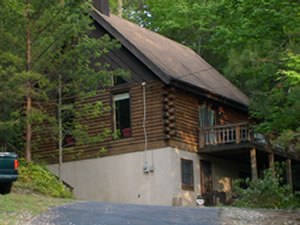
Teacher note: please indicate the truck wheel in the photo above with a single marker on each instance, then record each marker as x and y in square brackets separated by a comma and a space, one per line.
[5, 188]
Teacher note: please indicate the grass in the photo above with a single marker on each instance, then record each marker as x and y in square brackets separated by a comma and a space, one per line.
[37, 178]
[36, 191]
[20, 208]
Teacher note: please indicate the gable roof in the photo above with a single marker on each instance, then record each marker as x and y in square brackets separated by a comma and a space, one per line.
[168, 59]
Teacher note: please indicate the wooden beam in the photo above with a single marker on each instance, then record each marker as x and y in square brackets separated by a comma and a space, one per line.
[201, 138]
[254, 173]
[238, 133]
[289, 172]
[271, 163]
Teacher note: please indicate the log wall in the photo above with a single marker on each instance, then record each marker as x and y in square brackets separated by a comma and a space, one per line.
[187, 119]
[46, 147]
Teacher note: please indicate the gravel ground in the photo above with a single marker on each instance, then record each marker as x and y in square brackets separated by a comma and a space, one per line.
[227, 216]
[238, 216]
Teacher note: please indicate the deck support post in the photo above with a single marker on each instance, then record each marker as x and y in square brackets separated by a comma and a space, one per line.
[289, 172]
[271, 163]
[254, 174]
[238, 134]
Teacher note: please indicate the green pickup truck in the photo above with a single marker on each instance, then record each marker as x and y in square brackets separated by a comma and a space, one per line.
[8, 171]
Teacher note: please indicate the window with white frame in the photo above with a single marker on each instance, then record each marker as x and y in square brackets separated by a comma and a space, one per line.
[122, 118]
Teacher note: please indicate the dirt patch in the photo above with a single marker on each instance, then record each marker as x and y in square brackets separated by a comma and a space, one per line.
[238, 216]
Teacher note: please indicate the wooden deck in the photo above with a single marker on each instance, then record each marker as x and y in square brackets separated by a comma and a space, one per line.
[224, 134]
[236, 138]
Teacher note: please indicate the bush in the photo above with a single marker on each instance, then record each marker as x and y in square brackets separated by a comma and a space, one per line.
[265, 193]
[39, 179]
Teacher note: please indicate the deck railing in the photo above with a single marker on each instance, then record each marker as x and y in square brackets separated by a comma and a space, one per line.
[223, 134]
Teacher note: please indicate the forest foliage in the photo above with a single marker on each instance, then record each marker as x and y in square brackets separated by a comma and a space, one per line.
[254, 43]
[47, 48]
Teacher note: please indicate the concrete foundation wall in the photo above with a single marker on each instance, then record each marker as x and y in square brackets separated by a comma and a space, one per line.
[121, 178]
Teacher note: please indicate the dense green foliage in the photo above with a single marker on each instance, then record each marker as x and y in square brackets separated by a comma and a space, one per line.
[254, 43]
[44, 44]
[267, 192]
[38, 178]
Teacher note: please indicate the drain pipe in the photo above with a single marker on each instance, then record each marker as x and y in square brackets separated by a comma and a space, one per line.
[146, 167]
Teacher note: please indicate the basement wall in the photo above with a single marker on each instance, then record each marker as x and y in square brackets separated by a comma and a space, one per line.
[120, 178]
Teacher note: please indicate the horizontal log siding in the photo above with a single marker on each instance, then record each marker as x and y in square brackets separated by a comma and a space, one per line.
[232, 116]
[47, 149]
[187, 119]
[186, 112]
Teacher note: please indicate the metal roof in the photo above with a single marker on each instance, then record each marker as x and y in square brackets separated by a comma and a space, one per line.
[169, 60]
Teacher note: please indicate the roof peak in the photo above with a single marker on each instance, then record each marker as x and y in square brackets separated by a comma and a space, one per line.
[168, 59]
[102, 6]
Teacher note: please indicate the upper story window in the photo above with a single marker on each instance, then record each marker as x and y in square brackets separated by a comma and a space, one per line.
[122, 118]
[187, 174]
[68, 117]
[207, 116]
[118, 80]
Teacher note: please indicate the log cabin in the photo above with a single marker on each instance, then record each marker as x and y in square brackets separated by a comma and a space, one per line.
[184, 130]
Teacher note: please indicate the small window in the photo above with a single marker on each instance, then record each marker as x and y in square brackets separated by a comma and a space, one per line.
[118, 80]
[187, 174]
[67, 116]
[122, 121]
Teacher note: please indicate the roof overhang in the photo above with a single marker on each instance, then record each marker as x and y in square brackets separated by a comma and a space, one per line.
[132, 48]
[167, 79]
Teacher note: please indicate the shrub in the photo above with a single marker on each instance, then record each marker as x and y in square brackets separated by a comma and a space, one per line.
[267, 192]
[39, 179]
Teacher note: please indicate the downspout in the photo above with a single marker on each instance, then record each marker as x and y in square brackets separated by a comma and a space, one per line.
[146, 167]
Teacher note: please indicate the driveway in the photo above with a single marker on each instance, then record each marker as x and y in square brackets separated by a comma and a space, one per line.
[97, 213]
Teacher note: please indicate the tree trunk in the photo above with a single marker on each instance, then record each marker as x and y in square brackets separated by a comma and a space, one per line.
[120, 7]
[28, 92]
[60, 135]
[28, 131]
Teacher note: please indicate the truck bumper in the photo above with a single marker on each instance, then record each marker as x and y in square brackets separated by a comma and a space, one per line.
[8, 178]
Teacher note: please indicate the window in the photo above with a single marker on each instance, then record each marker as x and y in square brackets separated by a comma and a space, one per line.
[118, 80]
[67, 116]
[122, 121]
[207, 116]
[187, 174]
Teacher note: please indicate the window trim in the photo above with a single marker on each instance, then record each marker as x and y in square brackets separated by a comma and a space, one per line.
[113, 112]
[187, 187]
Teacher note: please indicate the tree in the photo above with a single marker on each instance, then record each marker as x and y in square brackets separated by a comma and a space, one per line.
[253, 43]
[190, 22]
[260, 40]
[42, 44]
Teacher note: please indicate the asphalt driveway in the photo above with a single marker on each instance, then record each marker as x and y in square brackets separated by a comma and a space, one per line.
[97, 213]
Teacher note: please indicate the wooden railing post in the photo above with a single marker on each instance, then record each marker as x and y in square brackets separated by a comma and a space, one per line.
[238, 134]
[249, 134]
